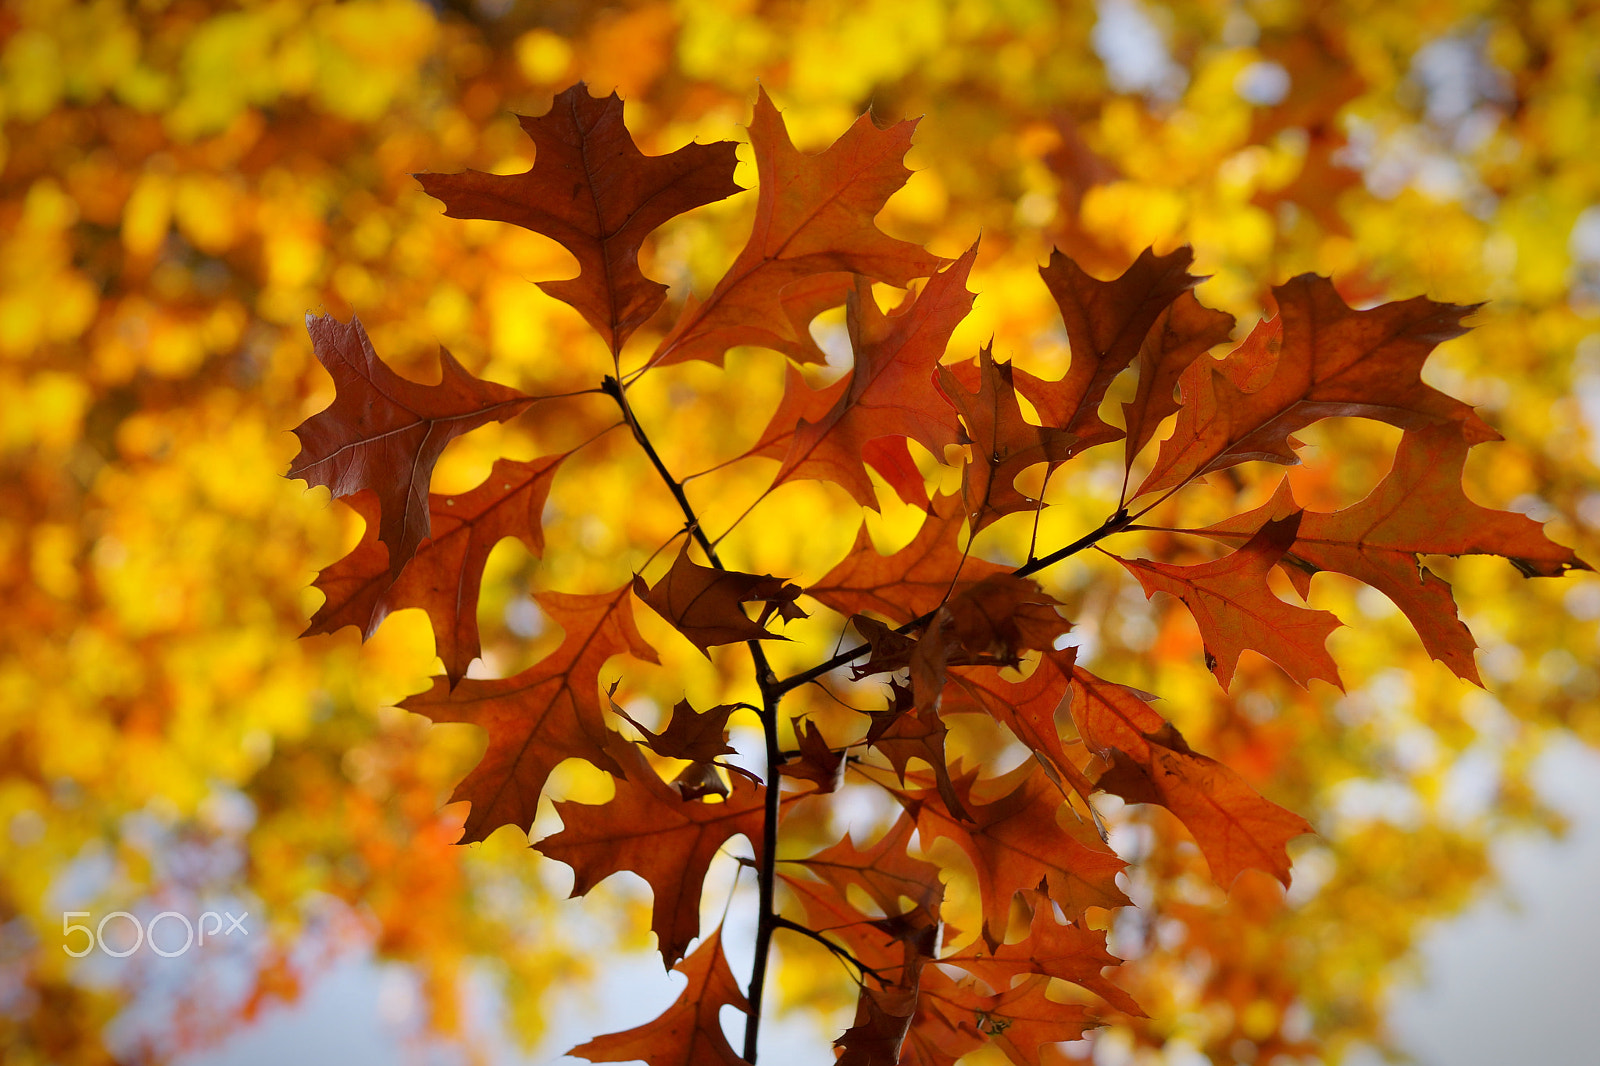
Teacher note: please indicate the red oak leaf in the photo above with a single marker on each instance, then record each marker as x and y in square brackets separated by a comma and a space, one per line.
[813, 216]
[1234, 826]
[706, 604]
[650, 829]
[1069, 952]
[592, 190]
[701, 736]
[1418, 509]
[1316, 359]
[385, 433]
[1236, 610]
[446, 574]
[690, 1032]
[816, 762]
[1016, 841]
[1107, 322]
[1004, 444]
[1182, 333]
[885, 871]
[912, 581]
[825, 433]
[547, 713]
[1028, 708]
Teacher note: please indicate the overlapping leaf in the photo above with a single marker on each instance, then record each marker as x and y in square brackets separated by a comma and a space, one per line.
[650, 829]
[547, 713]
[591, 189]
[446, 575]
[1107, 322]
[1418, 509]
[1015, 841]
[1004, 444]
[828, 433]
[1235, 827]
[814, 215]
[912, 581]
[706, 604]
[1236, 610]
[1317, 359]
[384, 433]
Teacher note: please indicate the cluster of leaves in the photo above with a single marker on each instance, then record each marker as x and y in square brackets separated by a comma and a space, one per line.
[948, 632]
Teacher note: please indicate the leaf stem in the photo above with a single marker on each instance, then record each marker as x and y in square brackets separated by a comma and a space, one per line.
[766, 868]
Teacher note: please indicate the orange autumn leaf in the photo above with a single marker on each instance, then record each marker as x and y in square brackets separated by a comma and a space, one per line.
[591, 189]
[814, 215]
[541, 716]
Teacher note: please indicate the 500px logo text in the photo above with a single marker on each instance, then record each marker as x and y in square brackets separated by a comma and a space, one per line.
[95, 936]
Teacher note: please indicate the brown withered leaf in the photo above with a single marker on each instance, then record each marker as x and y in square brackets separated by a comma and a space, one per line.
[1418, 509]
[889, 392]
[538, 718]
[706, 604]
[1003, 616]
[1004, 444]
[594, 192]
[1015, 842]
[1236, 610]
[912, 581]
[1235, 827]
[385, 433]
[445, 576]
[1107, 323]
[689, 734]
[816, 762]
[650, 829]
[690, 1032]
[1317, 359]
[814, 215]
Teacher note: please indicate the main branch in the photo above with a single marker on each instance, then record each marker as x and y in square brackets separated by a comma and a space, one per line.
[771, 694]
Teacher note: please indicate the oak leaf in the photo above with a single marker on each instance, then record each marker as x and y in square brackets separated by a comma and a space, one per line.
[1419, 508]
[384, 433]
[814, 215]
[690, 1032]
[828, 433]
[885, 871]
[1182, 333]
[912, 581]
[594, 192]
[1015, 842]
[1234, 826]
[816, 760]
[545, 714]
[1028, 708]
[1068, 952]
[706, 604]
[689, 734]
[651, 830]
[1236, 610]
[1317, 359]
[446, 574]
[1107, 322]
[1004, 443]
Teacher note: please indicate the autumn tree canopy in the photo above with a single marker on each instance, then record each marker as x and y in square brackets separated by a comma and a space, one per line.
[183, 184]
